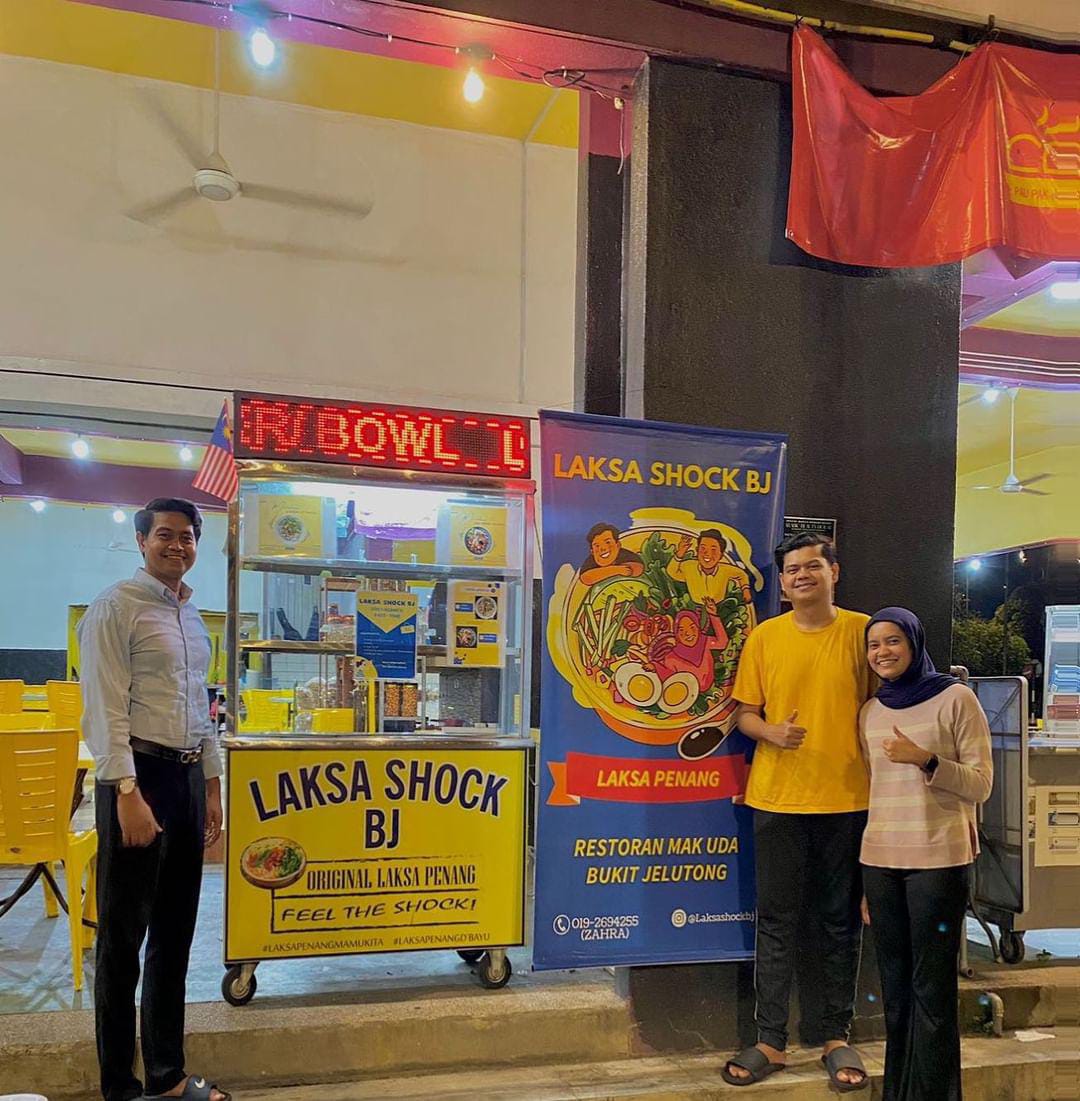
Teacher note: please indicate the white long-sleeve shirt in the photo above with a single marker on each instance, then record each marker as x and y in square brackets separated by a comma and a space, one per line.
[145, 658]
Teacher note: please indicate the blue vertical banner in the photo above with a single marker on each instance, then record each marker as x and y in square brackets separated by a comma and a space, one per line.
[657, 553]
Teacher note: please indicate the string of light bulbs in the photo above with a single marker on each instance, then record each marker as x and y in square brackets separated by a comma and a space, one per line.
[262, 50]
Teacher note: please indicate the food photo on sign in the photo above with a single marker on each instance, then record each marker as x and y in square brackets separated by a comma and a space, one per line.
[657, 544]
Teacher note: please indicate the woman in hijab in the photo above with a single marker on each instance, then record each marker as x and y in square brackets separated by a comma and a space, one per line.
[690, 650]
[927, 747]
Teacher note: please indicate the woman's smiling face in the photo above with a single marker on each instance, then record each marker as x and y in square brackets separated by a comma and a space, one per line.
[888, 651]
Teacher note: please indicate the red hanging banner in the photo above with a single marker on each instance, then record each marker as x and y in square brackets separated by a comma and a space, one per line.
[989, 155]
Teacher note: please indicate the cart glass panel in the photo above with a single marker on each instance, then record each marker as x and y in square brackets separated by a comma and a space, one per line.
[383, 606]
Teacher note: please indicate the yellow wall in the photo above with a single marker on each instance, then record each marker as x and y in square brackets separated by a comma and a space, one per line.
[990, 520]
[336, 80]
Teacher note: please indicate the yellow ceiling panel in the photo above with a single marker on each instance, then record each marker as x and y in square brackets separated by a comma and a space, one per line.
[103, 449]
[316, 76]
[1040, 313]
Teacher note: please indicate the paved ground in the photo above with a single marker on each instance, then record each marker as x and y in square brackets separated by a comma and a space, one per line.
[35, 961]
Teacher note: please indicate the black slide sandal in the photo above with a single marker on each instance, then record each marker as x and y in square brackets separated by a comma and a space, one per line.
[845, 1058]
[755, 1062]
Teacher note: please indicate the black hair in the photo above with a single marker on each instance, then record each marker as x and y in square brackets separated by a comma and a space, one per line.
[718, 536]
[599, 529]
[801, 541]
[144, 518]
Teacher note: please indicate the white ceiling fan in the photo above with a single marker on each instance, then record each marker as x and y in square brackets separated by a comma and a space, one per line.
[1012, 484]
[214, 180]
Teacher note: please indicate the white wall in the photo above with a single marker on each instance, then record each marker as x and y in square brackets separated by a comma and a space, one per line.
[420, 301]
[70, 553]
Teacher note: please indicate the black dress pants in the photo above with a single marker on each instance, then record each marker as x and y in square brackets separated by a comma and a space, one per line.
[150, 893]
[807, 862]
[917, 916]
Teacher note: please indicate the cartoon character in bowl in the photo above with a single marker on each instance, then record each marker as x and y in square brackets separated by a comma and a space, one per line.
[608, 557]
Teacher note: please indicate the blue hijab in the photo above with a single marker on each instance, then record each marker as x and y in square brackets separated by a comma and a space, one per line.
[920, 681]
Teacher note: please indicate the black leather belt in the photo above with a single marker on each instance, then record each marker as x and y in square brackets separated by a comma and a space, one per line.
[177, 756]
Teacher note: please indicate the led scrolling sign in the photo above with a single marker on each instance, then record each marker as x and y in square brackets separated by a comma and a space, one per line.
[381, 435]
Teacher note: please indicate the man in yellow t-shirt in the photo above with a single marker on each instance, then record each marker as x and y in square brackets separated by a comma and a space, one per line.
[802, 680]
[708, 576]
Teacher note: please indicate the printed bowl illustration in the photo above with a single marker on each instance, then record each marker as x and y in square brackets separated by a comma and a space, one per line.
[466, 637]
[272, 862]
[290, 529]
[486, 607]
[477, 541]
[637, 647]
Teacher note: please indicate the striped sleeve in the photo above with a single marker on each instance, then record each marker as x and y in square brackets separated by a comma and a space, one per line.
[971, 775]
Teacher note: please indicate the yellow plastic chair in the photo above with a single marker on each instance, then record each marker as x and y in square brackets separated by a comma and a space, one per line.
[267, 710]
[37, 778]
[27, 720]
[66, 703]
[11, 696]
[332, 720]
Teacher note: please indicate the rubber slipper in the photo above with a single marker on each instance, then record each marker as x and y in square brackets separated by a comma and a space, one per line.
[845, 1058]
[755, 1062]
[196, 1089]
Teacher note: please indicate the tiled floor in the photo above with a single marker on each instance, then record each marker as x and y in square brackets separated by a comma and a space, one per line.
[35, 961]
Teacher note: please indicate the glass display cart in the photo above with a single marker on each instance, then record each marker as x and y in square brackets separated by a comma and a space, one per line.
[378, 732]
[1029, 870]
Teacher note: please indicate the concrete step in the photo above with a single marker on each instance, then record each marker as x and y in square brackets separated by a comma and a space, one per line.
[1039, 995]
[994, 1070]
[268, 1044]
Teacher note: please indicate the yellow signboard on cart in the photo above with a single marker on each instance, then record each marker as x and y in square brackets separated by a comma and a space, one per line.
[349, 851]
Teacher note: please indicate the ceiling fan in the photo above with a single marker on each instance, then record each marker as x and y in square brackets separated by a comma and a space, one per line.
[215, 181]
[1012, 484]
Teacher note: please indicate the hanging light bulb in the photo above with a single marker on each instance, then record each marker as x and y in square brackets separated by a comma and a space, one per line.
[80, 448]
[262, 47]
[975, 565]
[186, 454]
[991, 394]
[473, 88]
[119, 516]
[38, 505]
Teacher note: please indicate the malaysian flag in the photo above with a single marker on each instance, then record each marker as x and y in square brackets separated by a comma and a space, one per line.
[217, 474]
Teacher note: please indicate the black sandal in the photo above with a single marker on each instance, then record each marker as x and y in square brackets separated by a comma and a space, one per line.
[195, 1089]
[845, 1058]
[756, 1064]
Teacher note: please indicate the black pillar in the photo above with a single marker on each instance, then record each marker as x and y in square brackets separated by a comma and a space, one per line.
[598, 316]
[729, 324]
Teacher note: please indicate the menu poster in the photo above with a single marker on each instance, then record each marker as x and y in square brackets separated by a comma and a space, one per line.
[290, 525]
[386, 633]
[477, 615]
[472, 535]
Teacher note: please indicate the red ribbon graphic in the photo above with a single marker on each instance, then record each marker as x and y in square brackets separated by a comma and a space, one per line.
[632, 780]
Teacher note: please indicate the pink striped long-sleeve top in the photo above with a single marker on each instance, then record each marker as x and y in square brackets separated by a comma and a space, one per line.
[918, 821]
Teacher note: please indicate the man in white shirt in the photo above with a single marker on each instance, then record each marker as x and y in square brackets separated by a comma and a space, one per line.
[145, 657]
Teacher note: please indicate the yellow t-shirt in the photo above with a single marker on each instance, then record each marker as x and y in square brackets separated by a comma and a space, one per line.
[824, 676]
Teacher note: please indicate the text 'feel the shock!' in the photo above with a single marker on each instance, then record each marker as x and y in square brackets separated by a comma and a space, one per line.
[386, 436]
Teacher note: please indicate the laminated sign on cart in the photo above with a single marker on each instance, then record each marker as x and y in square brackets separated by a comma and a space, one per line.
[658, 543]
[373, 851]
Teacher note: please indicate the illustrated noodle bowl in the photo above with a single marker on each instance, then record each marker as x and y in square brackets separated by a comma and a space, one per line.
[272, 862]
[290, 529]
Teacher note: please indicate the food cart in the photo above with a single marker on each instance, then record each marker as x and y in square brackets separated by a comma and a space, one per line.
[1028, 874]
[380, 599]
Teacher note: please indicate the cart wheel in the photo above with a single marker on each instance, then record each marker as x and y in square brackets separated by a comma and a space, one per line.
[233, 989]
[471, 955]
[1012, 946]
[487, 975]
